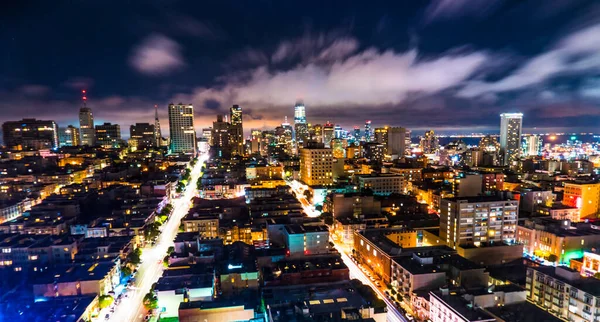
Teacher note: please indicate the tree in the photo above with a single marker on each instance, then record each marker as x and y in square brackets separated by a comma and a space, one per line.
[135, 257]
[308, 194]
[151, 231]
[125, 271]
[171, 250]
[105, 301]
[166, 261]
[597, 275]
[150, 301]
[552, 258]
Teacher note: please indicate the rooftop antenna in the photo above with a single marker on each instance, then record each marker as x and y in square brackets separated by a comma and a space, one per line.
[156, 111]
[84, 97]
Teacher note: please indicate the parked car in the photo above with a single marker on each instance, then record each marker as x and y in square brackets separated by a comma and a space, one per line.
[409, 317]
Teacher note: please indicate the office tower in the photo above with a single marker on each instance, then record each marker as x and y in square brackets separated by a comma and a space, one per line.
[300, 125]
[86, 124]
[368, 134]
[407, 142]
[220, 137]
[478, 220]
[181, 128]
[236, 130]
[510, 136]
[255, 140]
[429, 142]
[337, 131]
[380, 135]
[108, 135]
[318, 133]
[338, 148]
[68, 136]
[143, 135]
[30, 134]
[396, 142]
[532, 145]
[207, 134]
[356, 133]
[157, 131]
[316, 165]
[491, 150]
[328, 134]
[374, 151]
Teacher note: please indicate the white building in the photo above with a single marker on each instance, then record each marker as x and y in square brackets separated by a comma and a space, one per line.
[511, 125]
[181, 128]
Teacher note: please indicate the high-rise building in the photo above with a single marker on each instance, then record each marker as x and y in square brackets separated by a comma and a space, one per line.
[255, 140]
[380, 135]
[181, 128]
[143, 134]
[478, 220]
[316, 165]
[396, 142]
[236, 130]
[30, 134]
[207, 135]
[328, 129]
[318, 133]
[300, 125]
[68, 136]
[356, 133]
[108, 135]
[532, 145]
[368, 134]
[86, 124]
[157, 131]
[429, 142]
[220, 137]
[510, 136]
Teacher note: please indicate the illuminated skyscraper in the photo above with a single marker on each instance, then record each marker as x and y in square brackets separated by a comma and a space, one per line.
[68, 136]
[327, 134]
[510, 136]
[157, 132]
[532, 145]
[300, 124]
[396, 142]
[236, 130]
[30, 134]
[318, 133]
[220, 137]
[357, 133]
[86, 123]
[108, 135]
[143, 135]
[429, 142]
[368, 134]
[181, 128]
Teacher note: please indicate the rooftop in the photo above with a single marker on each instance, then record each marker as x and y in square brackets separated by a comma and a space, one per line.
[524, 311]
[458, 305]
[75, 272]
[587, 284]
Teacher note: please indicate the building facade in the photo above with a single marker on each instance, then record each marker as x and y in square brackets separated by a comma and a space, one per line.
[236, 130]
[144, 135]
[316, 166]
[108, 135]
[30, 134]
[477, 220]
[181, 128]
[510, 136]
[69, 136]
[584, 196]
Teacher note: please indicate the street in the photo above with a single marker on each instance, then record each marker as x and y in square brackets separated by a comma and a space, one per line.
[150, 270]
[355, 272]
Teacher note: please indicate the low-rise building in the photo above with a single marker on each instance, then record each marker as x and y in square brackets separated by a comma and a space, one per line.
[383, 183]
[556, 240]
[95, 278]
[564, 293]
[306, 240]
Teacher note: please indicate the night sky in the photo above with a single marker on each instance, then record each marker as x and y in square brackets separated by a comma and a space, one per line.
[450, 65]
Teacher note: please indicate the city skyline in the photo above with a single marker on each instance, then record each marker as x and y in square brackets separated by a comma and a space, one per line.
[423, 62]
